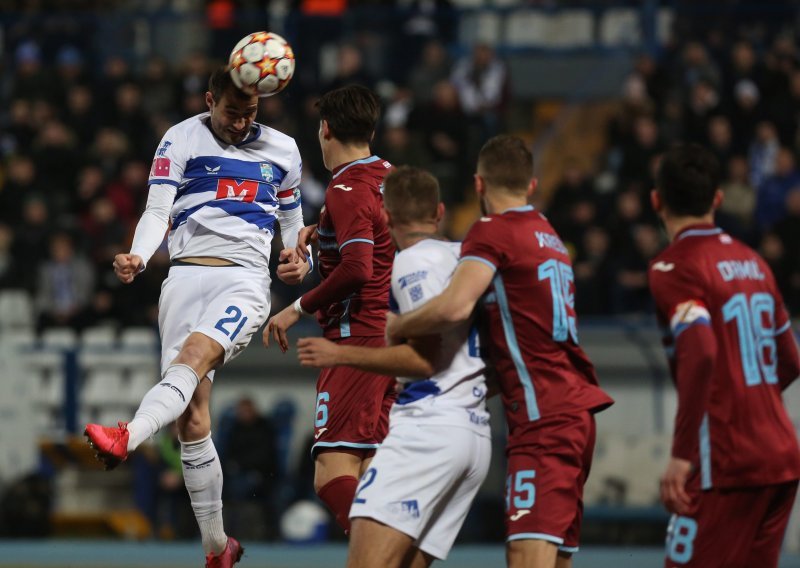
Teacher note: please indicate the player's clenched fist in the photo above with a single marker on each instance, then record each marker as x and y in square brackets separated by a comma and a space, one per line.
[318, 352]
[293, 267]
[127, 266]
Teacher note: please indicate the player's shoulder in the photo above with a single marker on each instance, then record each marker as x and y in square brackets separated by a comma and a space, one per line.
[276, 137]
[429, 253]
[191, 126]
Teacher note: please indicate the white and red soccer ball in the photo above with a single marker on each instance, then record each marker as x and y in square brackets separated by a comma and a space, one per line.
[262, 64]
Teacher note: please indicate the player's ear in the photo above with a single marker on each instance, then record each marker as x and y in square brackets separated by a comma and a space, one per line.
[480, 185]
[532, 187]
[655, 201]
[325, 129]
[209, 100]
[719, 197]
[439, 212]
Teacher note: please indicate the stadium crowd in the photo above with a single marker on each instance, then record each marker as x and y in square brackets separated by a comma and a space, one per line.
[78, 138]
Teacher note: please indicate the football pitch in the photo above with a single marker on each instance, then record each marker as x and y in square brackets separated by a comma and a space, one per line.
[115, 554]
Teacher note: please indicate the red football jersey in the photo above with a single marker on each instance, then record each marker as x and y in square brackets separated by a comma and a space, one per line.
[530, 312]
[705, 277]
[352, 214]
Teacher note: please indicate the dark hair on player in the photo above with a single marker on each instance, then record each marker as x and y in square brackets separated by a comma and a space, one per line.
[505, 162]
[351, 113]
[221, 84]
[410, 195]
[687, 179]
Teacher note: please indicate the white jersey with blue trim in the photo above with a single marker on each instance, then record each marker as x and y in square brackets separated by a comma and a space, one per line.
[456, 395]
[227, 196]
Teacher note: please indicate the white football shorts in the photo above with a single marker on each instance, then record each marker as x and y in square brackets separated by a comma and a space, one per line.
[226, 303]
[422, 482]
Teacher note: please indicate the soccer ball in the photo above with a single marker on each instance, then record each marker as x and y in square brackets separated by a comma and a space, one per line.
[262, 64]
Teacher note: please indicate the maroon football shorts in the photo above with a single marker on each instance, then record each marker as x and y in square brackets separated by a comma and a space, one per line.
[352, 406]
[548, 464]
[734, 528]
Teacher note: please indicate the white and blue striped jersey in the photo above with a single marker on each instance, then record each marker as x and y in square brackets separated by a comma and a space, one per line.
[224, 198]
[456, 395]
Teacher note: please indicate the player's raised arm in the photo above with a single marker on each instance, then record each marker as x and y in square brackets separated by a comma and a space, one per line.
[294, 266]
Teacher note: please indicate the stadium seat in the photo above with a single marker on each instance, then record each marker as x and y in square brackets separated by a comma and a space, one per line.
[20, 339]
[571, 28]
[139, 337]
[102, 387]
[480, 27]
[16, 309]
[620, 27]
[526, 28]
[99, 338]
[59, 338]
[664, 23]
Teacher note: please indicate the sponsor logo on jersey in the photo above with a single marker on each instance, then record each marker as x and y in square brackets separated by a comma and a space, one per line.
[519, 514]
[409, 508]
[212, 171]
[343, 187]
[266, 172]
[163, 150]
[412, 278]
[238, 190]
[662, 266]
[319, 433]
[416, 293]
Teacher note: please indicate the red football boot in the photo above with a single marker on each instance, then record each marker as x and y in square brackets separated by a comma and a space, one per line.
[228, 557]
[111, 443]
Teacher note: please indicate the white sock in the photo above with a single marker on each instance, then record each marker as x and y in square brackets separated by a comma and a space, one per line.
[162, 404]
[202, 474]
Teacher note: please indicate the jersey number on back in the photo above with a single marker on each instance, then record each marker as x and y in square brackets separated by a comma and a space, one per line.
[755, 326]
[560, 276]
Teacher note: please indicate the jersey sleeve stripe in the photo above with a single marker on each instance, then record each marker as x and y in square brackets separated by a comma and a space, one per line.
[784, 328]
[159, 181]
[344, 244]
[688, 314]
[289, 206]
[479, 259]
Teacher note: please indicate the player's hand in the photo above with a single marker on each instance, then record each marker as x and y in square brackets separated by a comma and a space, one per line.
[318, 352]
[127, 266]
[293, 267]
[673, 486]
[278, 326]
[306, 236]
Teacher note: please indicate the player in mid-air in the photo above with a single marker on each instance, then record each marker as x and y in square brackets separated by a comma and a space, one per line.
[732, 477]
[218, 182]
[513, 258]
[414, 497]
[355, 262]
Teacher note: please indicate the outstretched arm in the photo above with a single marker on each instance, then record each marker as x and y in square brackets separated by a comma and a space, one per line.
[448, 310]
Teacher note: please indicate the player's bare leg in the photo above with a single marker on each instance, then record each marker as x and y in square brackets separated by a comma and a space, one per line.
[531, 554]
[419, 559]
[374, 545]
[564, 560]
[336, 476]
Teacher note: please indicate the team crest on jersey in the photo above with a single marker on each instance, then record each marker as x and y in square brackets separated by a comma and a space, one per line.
[266, 172]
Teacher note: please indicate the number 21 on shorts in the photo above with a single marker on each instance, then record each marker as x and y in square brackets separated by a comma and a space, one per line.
[228, 325]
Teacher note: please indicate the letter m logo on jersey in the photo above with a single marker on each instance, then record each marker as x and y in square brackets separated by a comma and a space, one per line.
[244, 190]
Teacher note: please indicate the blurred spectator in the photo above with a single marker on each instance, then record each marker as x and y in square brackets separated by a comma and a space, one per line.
[8, 276]
[130, 118]
[631, 291]
[250, 468]
[432, 67]
[740, 199]
[771, 194]
[594, 273]
[31, 240]
[30, 80]
[80, 115]
[157, 83]
[703, 103]
[105, 234]
[18, 135]
[66, 283]
[70, 71]
[174, 519]
[349, 69]
[638, 154]
[20, 185]
[720, 138]
[482, 84]
[698, 67]
[763, 153]
[745, 113]
[788, 231]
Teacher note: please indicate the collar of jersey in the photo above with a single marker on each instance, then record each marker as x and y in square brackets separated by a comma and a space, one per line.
[699, 230]
[522, 208]
[351, 164]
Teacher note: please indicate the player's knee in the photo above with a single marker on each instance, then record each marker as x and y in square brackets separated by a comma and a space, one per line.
[194, 424]
[200, 353]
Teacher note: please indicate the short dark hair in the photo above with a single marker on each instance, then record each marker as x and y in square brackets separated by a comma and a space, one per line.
[351, 113]
[220, 84]
[687, 179]
[410, 195]
[505, 161]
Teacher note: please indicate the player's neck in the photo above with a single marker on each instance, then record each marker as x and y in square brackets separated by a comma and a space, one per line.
[406, 236]
[675, 225]
[501, 202]
[340, 154]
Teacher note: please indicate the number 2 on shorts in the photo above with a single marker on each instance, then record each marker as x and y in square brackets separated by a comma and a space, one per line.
[236, 315]
[366, 480]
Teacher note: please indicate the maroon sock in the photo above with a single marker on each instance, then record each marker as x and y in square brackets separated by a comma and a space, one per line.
[338, 495]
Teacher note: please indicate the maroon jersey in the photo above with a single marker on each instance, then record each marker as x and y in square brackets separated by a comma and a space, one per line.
[530, 309]
[352, 217]
[706, 278]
